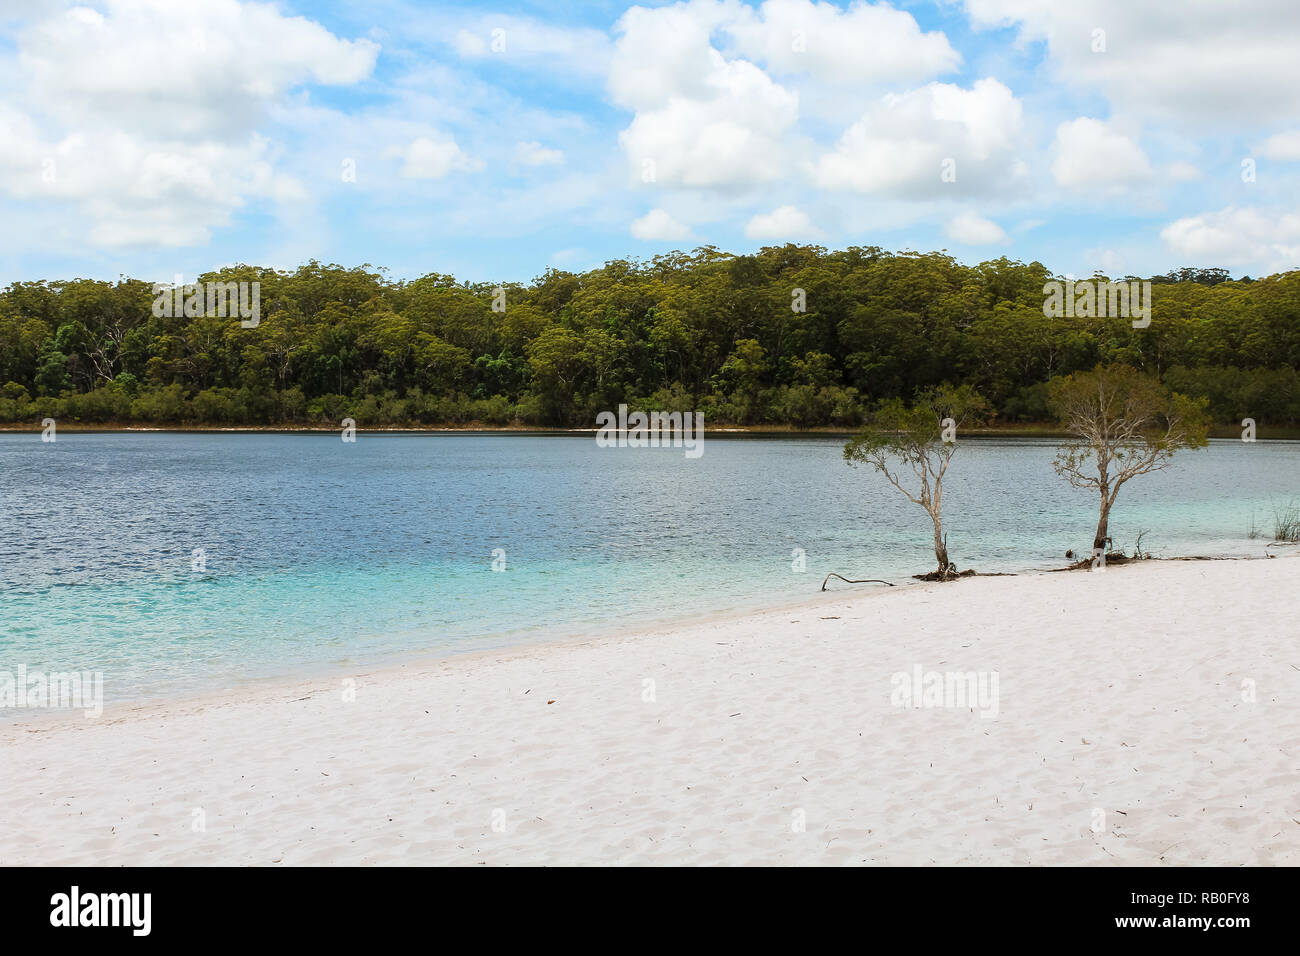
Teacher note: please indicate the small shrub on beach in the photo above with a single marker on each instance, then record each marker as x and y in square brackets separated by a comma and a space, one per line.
[1286, 523]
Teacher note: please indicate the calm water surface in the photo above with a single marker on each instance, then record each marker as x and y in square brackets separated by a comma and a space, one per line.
[319, 553]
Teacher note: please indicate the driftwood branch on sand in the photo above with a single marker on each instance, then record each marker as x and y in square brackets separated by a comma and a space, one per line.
[847, 581]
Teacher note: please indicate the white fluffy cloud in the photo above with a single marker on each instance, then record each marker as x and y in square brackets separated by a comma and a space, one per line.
[657, 224]
[864, 44]
[739, 134]
[144, 116]
[906, 143]
[972, 230]
[122, 190]
[664, 53]
[432, 158]
[701, 120]
[1091, 154]
[785, 223]
[1205, 62]
[701, 78]
[204, 68]
[1238, 236]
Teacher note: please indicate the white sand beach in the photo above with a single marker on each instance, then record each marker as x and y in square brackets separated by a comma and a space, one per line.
[1125, 732]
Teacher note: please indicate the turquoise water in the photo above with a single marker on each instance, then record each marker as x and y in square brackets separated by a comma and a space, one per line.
[319, 553]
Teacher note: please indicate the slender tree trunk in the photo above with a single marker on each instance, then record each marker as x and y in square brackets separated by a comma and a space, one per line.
[940, 546]
[1099, 540]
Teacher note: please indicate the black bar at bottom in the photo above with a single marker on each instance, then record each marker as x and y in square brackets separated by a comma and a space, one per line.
[566, 906]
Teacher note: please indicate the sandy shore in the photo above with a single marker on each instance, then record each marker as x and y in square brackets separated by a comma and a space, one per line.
[1149, 714]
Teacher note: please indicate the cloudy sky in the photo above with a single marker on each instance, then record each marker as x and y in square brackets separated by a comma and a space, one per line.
[155, 137]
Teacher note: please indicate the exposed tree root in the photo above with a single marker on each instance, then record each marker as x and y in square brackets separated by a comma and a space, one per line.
[847, 581]
[1112, 558]
[952, 574]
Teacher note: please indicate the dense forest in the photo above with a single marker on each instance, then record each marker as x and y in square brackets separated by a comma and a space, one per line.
[701, 331]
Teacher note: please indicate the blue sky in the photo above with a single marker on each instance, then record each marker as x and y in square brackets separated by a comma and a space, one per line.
[151, 138]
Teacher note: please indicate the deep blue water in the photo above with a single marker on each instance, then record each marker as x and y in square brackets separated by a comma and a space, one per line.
[319, 553]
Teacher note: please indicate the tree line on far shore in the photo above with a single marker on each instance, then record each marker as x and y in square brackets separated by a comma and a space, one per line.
[792, 335]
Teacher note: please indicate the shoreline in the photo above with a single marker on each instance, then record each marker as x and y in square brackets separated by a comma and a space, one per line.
[478, 428]
[1027, 430]
[400, 666]
[1120, 693]
[397, 664]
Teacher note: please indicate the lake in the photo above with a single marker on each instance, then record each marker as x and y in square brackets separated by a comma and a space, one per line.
[181, 561]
